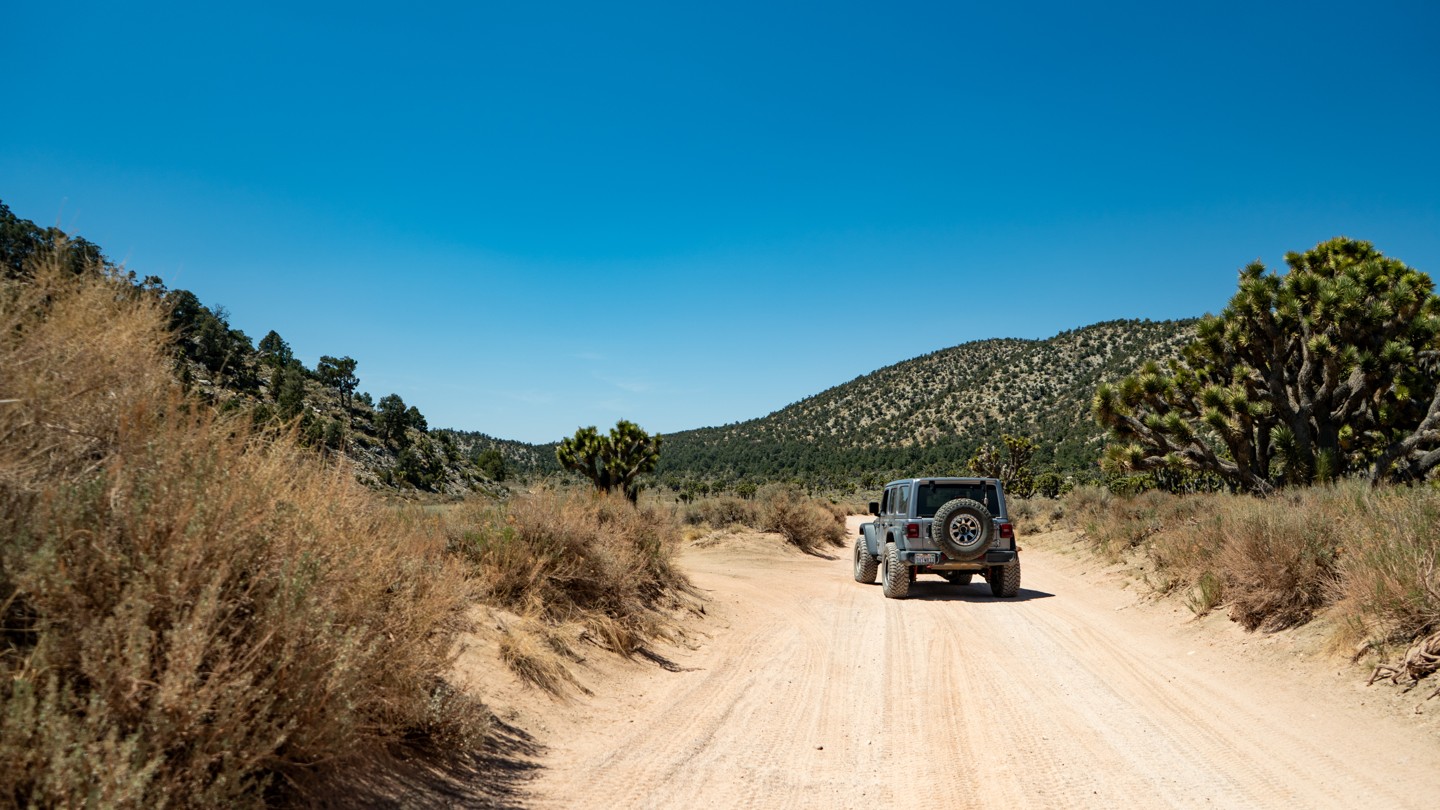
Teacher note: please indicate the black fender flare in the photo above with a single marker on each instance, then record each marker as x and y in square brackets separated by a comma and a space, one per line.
[871, 544]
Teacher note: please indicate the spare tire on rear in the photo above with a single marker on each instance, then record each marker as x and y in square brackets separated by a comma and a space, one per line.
[963, 528]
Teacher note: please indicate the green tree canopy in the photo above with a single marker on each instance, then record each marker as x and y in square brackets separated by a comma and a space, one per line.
[390, 419]
[338, 373]
[1326, 370]
[21, 239]
[614, 461]
[274, 351]
[290, 392]
[492, 463]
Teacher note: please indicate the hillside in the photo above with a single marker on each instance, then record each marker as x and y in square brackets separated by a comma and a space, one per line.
[925, 415]
[387, 444]
[929, 414]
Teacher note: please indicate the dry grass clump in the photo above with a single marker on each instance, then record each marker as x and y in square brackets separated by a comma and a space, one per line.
[1116, 525]
[538, 652]
[806, 523]
[1035, 514]
[1374, 554]
[576, 557]
[1278, 558]
[722, 512]
[1389, 571]
[192, 616]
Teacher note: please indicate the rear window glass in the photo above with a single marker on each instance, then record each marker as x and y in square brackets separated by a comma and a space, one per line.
[934, 496]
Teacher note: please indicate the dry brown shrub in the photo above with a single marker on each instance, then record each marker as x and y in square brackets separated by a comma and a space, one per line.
[192, 615]
[837, 510]
[804, 522]
[1035, 514]
[1116, 525]
[722, 512]
[1278, 558]
[1390, 561]
[537, 653]
[576, 557]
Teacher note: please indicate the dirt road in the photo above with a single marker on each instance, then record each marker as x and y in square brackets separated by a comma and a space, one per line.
[814, 691]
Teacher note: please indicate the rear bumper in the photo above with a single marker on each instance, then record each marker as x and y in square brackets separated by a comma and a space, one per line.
[992, 557]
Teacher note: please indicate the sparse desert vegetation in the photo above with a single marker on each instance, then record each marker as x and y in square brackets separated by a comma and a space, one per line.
[928, 415]
[193, 613]
[1369, 555]
[573, 566]
[809, 524]
[204, 607]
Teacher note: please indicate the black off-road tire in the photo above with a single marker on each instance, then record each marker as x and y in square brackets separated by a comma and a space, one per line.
[960, 577]
[963, 528]
[895, 575]
[866, 566]
[1004, 579]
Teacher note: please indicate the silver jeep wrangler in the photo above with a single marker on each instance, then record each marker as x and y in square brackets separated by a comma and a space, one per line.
[954, 527]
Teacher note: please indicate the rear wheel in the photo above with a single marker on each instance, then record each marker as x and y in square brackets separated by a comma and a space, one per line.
[865, 565]
[894, 575]
[1004, 579]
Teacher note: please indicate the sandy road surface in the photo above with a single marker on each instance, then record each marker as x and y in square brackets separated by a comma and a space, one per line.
[814, 691]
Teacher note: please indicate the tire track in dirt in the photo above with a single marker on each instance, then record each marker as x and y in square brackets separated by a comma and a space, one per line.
[815, 691]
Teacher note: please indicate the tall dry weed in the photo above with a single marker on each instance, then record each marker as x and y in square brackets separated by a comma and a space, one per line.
[193, 615]
[1278, 558]
[1390, 562]
[1372, 553]
[575, 557]
[806, 523]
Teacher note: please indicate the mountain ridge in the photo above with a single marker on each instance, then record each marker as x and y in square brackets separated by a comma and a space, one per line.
[928, 414]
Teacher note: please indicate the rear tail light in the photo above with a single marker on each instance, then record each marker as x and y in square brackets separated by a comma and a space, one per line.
[912, 531]
[1007, 531]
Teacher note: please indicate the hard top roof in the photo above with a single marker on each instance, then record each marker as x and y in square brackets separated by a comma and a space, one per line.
[945, 479]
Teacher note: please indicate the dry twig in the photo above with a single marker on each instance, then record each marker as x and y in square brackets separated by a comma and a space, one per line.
[1420, 660]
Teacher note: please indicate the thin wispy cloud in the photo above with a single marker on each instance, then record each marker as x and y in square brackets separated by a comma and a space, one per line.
[633, 386]
[530, 397]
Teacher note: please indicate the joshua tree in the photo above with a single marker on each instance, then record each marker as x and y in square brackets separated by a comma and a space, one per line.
[611, 462]
[1013, 469]
[1328, 369]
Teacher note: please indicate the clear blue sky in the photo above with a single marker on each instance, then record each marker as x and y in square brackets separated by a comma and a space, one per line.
[525, 217]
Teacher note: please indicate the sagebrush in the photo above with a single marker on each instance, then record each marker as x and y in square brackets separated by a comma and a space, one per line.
[805, 522]
[1372, 553]
[193, 615]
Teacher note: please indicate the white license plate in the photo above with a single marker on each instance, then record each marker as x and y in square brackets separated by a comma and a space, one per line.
[927, 559]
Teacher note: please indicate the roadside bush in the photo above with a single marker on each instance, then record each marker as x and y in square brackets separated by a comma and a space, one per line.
[1389, 568]
[1278, 558]
[588, 558]
[1373, 553]
[193, 615]
[1117, 524]
[721, 512]
[805, 523]
[1036, 513]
